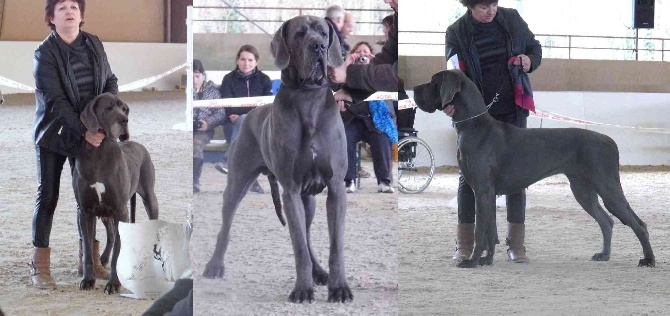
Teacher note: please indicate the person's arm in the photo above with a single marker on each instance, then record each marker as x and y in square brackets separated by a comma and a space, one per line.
[49, 89]
[452, 47]
[372, 77]
[227, 92]
[533, 47]
[267, 85]
[389, 52]
[111, 84]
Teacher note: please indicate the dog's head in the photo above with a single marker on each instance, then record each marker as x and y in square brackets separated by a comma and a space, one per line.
[307, 44]
[450, 87]
[107, 113]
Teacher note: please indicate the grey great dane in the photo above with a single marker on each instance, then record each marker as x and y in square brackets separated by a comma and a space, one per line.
[498, 158]
[298, 140]
[106, 177]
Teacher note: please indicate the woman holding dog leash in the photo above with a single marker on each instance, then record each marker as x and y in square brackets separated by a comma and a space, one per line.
[490, 41]
[70, 69]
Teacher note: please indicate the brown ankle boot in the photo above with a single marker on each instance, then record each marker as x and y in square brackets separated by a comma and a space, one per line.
[98, 269]
[465, 241]
[515, 236]
[40, 275]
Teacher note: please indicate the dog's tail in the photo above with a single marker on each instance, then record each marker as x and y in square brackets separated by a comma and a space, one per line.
[133, 205]
[276, 199]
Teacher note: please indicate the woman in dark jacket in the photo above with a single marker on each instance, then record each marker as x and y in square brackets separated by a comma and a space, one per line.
[245, 81]
[485, 39]
[70, 69]
[205, 119]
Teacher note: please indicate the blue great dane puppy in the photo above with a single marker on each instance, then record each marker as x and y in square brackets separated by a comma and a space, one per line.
[298, 140]
[498, 158]
[106, 177]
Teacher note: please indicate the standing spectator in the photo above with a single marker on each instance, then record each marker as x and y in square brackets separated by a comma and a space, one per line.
[485, 39]
[204, 119]
[335, 15]
[349, 24]
[245, 81]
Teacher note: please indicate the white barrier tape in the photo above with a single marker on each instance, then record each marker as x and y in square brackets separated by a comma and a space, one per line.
[126, 87]
[409, 103]
[258, 101]
[143, 82]
[13, 84]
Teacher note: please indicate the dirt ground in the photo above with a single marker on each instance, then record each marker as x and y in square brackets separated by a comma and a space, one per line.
[260, 268]
[152, 116]
[560, 239]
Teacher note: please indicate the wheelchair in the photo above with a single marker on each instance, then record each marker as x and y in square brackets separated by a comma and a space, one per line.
[416, 163]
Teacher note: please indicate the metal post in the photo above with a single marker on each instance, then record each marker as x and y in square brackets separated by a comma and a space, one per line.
[189, 68]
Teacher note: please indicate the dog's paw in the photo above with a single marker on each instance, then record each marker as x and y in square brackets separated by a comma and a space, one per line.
[467, 263]
[104, 259]
[214, 270]
[486, 261]
[87, 284]
[112, 287]
[600, 257]
[300, 296]
[647, 262]
[320, 276]
[340, 294]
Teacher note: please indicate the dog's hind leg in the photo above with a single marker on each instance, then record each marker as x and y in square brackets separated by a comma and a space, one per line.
[146, 190]
[586, 196]
[319, 275]
[616, 203]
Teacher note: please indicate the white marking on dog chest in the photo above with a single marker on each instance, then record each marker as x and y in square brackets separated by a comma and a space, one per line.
[99, 188]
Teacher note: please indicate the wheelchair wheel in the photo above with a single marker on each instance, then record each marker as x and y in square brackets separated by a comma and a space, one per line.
[416, 165]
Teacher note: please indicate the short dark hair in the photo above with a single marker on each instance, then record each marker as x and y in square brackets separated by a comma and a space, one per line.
[51, 6]
[472, 3]
[249, 49]
[388, 20]
[198, 67]
[372, 50]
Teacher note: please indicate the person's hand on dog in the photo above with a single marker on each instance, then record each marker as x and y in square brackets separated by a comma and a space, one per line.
[94, 138]
[233, 118]
[203, 126]
[342, 95]
[524, 61]
[449, 110]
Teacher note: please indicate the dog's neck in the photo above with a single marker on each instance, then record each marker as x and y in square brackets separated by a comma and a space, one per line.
[290, 78]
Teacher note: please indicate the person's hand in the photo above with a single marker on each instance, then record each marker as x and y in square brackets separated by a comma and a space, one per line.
[341, 95]
[339, 74]
[233, 118]
[203, 126]
[94, 138]
[524, 61]
[449, 110]
[341, 105]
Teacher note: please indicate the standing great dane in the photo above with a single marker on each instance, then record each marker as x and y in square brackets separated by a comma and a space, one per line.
[106, 177]
[299, 141]
[498, 158]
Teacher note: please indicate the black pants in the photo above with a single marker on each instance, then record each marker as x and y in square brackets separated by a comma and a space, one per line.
[516, 203]
[49, 168]
[380, 147]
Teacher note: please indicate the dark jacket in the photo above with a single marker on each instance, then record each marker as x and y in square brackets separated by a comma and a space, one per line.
[213, 116]
[381, 74]
[520, 40]
[57, 124]
[236, 85]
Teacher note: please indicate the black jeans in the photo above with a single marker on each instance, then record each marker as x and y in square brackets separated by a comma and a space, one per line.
[380, 146]
[516, 203]
[49, 168]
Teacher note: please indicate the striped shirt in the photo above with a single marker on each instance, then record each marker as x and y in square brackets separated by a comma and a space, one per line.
[81, 61]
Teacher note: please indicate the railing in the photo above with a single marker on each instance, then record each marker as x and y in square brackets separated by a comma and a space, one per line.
[266, 19]
[561, 46]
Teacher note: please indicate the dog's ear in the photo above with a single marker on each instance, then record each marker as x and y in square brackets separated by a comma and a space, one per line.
[125, 135]
[89, 117]
[279, 49]
[451, 84]
[334, 52]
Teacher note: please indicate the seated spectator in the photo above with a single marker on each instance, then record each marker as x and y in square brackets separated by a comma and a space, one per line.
[245, 81]
[204, 119]
[372, 123]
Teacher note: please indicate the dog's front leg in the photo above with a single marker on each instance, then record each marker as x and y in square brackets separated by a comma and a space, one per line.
[486, 234]
[113, 285]
[336, 203]
[86, 223]
[295, 217]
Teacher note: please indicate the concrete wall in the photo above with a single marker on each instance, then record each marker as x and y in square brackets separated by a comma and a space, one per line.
[112, 21]
[129, 62]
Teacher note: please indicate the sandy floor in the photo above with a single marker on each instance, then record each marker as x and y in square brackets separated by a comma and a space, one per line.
[152, 116]
[560, 239]
[260, 269]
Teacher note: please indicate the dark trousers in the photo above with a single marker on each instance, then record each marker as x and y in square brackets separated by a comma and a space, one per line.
[516, 203]
[49, 168]
[380, 146]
